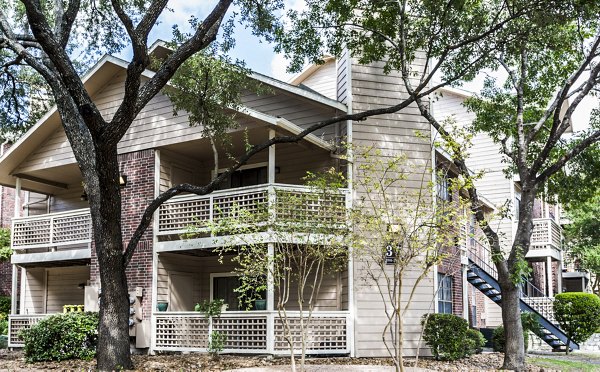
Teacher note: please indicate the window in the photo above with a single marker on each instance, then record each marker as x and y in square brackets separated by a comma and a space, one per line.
[444, 294]
[443, 189]
[517, 202]
[245, 177]
[224, 287]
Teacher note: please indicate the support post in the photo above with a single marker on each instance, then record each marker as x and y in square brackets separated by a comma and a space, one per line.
[549, 276]
[271, 169]
[13, 290]
[17, 198]
[270, 301]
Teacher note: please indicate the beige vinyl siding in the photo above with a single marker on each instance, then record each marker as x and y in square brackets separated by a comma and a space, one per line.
[36, 204]
[156, 126]
[68, 199]
[299, 111]
[201, 268]
[34, 296]
[403, 133]
[63, 287]
[293, 161]
[323, 80]
[484, 156]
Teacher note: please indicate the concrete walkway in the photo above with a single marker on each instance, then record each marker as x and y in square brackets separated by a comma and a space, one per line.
[329, 367]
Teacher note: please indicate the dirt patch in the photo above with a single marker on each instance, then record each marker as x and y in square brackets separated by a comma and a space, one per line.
[14, 361]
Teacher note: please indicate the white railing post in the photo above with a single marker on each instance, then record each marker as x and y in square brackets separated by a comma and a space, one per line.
[211, 210]
[270, 332]
[51, 233]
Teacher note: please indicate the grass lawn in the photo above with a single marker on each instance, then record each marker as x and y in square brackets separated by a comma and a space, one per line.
[563, 365]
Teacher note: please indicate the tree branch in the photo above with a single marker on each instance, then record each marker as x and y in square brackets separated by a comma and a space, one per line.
[135, 97]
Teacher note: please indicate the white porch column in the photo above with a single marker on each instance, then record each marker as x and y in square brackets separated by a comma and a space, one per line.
[17, 212]
[13, 290]
[549, 276]
[270, 301]
[560, 271]
[271, 169]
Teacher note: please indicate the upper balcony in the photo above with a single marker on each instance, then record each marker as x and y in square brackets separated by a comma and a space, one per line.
[269, 203]
[546, 240]
[63, 236]
[67, 236]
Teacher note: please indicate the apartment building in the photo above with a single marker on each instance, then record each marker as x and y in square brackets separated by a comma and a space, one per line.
[55, 264]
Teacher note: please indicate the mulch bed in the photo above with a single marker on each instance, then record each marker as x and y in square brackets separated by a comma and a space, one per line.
[13, 361]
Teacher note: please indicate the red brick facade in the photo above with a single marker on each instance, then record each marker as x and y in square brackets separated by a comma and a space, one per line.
[7, 211]
[138, 167]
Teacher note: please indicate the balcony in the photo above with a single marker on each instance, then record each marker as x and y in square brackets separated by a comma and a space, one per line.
[52, 237]
[546, 240]
[267, 204]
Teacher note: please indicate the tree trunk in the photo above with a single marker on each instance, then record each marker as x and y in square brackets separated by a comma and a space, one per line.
[105, 206]
[514, 347]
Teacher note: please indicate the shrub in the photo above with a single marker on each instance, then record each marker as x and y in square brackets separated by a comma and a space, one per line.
[5, 305]
[62, 336]
[498, 340]
[475, 342]
[445, 334]
[3, 324]
[577, 314]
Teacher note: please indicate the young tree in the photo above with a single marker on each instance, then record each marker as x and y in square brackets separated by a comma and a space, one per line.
[399, 235]
[550, 51]
[306, 232]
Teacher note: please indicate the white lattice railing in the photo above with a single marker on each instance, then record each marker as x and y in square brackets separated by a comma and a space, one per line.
[263, 201]
[51, 230]
[17, 323]
[546, 234]
[251, 332]
[543, 305]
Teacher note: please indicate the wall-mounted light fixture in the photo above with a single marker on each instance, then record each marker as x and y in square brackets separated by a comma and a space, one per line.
[123, 180]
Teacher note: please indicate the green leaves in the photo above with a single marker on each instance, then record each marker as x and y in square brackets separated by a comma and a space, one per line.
[63, 336]
[577, 314]
[5, 250]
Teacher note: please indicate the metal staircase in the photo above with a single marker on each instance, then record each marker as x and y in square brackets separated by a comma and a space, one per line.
[482, 275]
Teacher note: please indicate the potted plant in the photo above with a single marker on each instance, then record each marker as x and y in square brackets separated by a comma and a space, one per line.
[260, 304]
[162, 306]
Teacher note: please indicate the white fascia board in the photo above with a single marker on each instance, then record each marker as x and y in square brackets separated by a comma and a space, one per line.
[298, 91]
[286, 125]
[66, 255]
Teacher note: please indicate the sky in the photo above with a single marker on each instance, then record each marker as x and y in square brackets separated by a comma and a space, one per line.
[258, 55]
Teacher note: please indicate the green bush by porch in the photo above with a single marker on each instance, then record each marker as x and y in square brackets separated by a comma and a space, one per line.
[58, 337]
[449, 336]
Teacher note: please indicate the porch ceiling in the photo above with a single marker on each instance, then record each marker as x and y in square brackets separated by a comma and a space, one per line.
[200, 149]
[62, 263]
[50, 180]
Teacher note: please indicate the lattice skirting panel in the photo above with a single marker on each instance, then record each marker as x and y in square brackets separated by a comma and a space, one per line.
[19, 323]
[323, 334]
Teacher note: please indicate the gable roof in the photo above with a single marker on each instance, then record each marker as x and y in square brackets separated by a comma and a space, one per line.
[98, 77]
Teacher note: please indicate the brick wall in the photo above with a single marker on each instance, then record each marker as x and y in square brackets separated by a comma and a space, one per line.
[139, 191]
[7, 211]
[451, 266]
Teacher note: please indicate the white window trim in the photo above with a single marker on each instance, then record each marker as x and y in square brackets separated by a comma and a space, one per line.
[218, 275]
